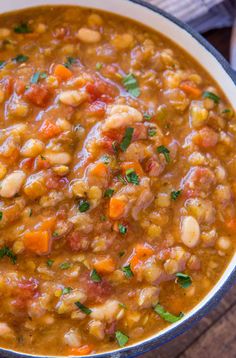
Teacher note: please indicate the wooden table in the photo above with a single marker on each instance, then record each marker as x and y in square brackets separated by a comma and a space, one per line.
[215, 335]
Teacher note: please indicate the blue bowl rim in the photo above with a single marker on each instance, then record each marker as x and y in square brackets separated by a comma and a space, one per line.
[162, 338]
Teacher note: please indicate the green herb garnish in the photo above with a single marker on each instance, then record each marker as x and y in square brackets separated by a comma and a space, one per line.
[55, 234]
[103, 217]
[98, 66]
[183, 280]
[167, 316]
[1, 215]
[108, 193]
[65, 265]
[37, 75]
[2, 64]
[121, 338]
[121, 253]
[95, 276]
[50, 262]
[131, 85]
[83, 308]
[20, 58]
[106, 159]
[23, 28]
[127, 271]
[212, 96]
[152, 132]
[147, 116]
[66, 290]
[121, 179]
[122, 229]
[69, 62]
[126, 140]
[162, 149]
[132, 177]
[30, 212]
[83, 206]
[175, 194]
[5, 251]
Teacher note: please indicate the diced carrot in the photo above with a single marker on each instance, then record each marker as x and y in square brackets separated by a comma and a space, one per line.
[132, 165]
[37, 241]
[134, 262]
[141, 253]
[231, 224]
[99, 170]
[80, 351]
[116, 208]
[47, 224]
[49, 130]
[105, 265]
[62, 73]
[190, 88]
[41, 163]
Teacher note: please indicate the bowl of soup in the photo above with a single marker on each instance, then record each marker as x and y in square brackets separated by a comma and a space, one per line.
[117, 178]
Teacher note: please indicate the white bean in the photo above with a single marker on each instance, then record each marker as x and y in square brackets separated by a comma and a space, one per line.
[61, 158]
[190, 231]
[32, 148]
[73, 98]
[11, 184]
[88, 35]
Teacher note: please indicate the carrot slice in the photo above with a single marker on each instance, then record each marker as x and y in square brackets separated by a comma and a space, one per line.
[99, 170]
[105, 265]
[231, 224]
[132, 165]
[116, 208]
[62, 73]
[141, 253]
[37, 241]
[189, 88]
[80, 351]
[49, 130]
[47, 224]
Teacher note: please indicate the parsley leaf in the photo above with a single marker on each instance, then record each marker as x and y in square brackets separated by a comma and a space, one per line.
[1, 215]
[83, 308]
[127, 271]
[108, 193]
[121, 253]
[23, 28]
[106, 159]
[103, 217]
[37, 75]
[5, 251]
[175, 194]
[147, 116]
[121, 338]
[152, 132]
[50, 262]
[69, 62]
[131, 85]
[132, 177]
[83, 206]
[95, 276]
[66, 290]
[2, 64]
[183, 280]
[55, 234]
[98, 66]
[167, 316]
[64, 265]
[122, 229]
[121, 179]
[162, 149]
[20, 58]
[212, 96]
[126, 140]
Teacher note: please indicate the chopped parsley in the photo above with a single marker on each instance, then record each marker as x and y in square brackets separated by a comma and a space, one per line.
[30, 212]
[121, 338]
[50, 262]
[83, 308]
[175, 194]
[126, 140]
[55, 234]
[95, 276]
[65, 265]
[121, 179]
[106, 159]
[131, 85]
[37, 75]
[165, 151]
[127, 271]
[103, 217]
[183, 280]
[66, 290]
[228, 112]
[152, 132]
[147, 116]
[83, 206]
[122, 305]
[23, 28]
[108, 193]
[5, 251]
[121, 253]
[2, 64]
[167, 316]
[212, 96]
[122, 229]
[115, 146]
[98, 66]
[1, 215]
[69, 62]
[132, 177]
[20, 58]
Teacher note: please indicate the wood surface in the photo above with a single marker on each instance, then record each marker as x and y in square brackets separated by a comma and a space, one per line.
[215, 335]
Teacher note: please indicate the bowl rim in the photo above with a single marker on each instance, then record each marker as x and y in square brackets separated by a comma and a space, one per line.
[161, 337]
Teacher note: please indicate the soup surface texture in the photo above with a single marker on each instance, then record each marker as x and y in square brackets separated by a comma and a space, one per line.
[117, 169]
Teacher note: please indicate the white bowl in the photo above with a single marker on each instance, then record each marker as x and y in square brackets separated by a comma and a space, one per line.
[220, 70]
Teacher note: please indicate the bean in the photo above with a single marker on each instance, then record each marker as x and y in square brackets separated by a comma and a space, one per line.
[88, 36]
[73, 98]
[12, 184]
[190, 231]
[32, 148]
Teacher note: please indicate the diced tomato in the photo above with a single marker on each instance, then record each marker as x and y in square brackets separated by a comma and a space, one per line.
[140, 132]
[38, 94]
[77, 242]
[97, 108]
[20, 86]
[41, 163]
[26, 290]
[206, 138]
[101, 90]
[197, 180]
[97, 291]
[49, 129]
[56, 182]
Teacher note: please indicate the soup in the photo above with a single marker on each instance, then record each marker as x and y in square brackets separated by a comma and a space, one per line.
[117, 169]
